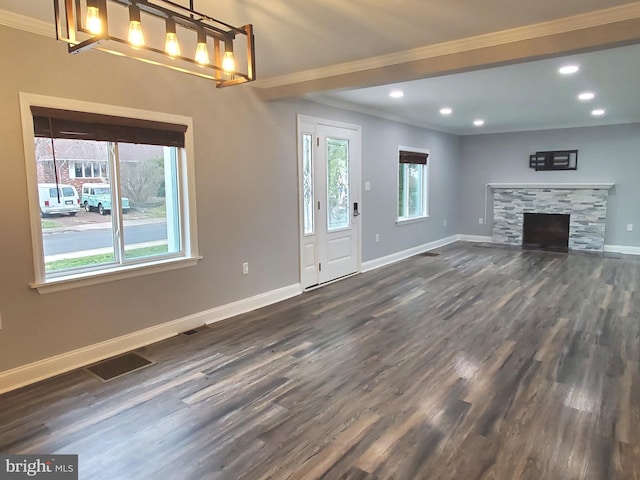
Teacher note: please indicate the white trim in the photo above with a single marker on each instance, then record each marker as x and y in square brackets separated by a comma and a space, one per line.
[474, 238]
[27, 24]
[539, 30]
[624, 249]
[407, 221]
[567, 186]
[329, 123]
[96, 277]
[410, 252]
[306, 124]
[322, 99]
[49, 367]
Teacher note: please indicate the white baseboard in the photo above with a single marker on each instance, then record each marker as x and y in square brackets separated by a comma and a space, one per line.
[396, 257]
[474, 238]
[49, 367]
[622, 249]
[248, 304]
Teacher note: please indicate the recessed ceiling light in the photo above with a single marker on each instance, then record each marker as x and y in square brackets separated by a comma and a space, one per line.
[446, 111]
[396, 94]
[586, 96]
[598, 112]
[478, 122]
[568, 69]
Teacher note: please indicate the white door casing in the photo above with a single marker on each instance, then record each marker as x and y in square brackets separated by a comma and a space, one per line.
[329, 159]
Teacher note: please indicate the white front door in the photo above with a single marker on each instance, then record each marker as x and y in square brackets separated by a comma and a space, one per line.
[330, 200]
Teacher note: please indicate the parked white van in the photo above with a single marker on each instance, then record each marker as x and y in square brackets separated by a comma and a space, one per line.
[50, 202]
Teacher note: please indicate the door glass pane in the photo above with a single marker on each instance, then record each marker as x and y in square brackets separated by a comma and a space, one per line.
[148, 175]
[75, 235]
[338, 184]
[307, 183]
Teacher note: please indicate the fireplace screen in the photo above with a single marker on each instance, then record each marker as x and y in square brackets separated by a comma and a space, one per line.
[546, 231]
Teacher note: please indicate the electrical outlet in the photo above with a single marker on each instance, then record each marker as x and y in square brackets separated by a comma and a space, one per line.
[367, 186]
[629, 227]
[245, 268]
[377, 237]
[480, 220]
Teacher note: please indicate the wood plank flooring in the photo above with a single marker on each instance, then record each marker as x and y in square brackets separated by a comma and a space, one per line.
[478, 364]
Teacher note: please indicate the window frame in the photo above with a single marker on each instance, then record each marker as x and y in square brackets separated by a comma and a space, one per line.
[84, 165]
[188, 256]
[425, 187]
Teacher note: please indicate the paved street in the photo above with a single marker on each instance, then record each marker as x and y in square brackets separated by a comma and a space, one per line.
[78, 239]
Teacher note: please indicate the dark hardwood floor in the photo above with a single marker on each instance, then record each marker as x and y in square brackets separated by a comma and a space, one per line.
[480, 363]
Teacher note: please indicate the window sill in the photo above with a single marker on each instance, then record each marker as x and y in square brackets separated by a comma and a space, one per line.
[407, 221]
[108, 275]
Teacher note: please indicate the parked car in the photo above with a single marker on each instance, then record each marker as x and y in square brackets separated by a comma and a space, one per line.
[58, 198]
[97, 196]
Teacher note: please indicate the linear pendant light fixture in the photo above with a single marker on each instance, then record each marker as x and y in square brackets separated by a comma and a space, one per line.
[183, 46]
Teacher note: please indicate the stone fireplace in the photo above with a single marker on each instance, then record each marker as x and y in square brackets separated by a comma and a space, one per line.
[586, 205]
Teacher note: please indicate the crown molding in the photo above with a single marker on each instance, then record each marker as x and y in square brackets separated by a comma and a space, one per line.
[562, 25]
[28, 24]
[373, 112]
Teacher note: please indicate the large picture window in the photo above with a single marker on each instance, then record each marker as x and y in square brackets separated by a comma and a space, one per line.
[412, 184]
[124, 181]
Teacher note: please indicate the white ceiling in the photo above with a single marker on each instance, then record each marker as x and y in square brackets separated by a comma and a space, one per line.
[528, 96]
[301, 44]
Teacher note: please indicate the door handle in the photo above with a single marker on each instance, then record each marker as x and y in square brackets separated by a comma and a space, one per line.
[355, 209]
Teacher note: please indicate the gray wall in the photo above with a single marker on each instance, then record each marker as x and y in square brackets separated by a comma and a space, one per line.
[246, 172]
[606, 154]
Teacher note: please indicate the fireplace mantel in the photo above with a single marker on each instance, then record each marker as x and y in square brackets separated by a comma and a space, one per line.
[563, 186]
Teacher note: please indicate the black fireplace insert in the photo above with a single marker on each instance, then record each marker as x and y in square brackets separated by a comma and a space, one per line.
[546, 231]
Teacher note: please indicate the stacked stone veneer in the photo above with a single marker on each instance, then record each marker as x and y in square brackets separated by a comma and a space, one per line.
[587, 207]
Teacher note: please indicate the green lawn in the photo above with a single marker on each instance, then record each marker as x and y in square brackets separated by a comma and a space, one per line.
[70, 263]
[50, 224]
[158, 212]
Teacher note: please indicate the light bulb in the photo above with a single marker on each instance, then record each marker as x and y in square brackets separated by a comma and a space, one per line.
[172, 47]
[228, 63]
[94, 24]
[136, 38]
[202, 55]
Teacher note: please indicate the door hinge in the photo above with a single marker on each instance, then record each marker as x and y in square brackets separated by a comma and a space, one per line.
[318, 141]
[319, 267]
[318, 204]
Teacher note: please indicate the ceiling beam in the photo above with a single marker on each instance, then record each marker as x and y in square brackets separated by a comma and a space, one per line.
[583, 33]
